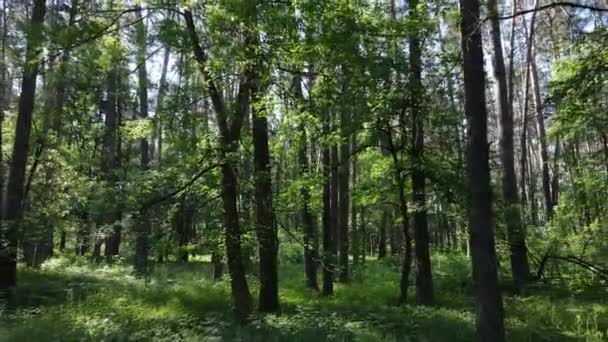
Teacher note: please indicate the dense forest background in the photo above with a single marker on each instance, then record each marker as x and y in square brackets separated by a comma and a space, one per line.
[300, 170]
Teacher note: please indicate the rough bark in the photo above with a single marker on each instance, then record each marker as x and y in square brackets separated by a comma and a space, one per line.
[311, 253]
[344, 202]
[265, 226]
[517, 243]
[399, 177]
[382, 233]
[334, 199]
[424, 278]
[328, 275]
[490, 324]
[13, 206]
[355, 234]
[542, 139]
[162, 90]
[142, 243]
[4, 85]
[111, 159]
[524, 161]
[230, 131]
[183, 223]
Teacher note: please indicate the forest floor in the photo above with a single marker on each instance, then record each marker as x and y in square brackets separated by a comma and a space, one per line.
[78, 301]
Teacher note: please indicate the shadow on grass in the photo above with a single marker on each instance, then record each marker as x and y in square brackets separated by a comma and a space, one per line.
[182, 303]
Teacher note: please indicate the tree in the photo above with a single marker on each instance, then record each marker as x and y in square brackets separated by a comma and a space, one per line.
[230, 131]
[424, 278]
[490, 324]
[328, 231]
[311, 251]
[344, 197]
[13, 207]
[517, 243]
[265, 225]
[142, 244]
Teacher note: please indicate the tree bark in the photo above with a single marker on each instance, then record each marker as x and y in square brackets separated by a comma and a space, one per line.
[398, 172]
[344, 201]
[265, 225]
[111, 160]
[311, 253]
[382, 233]
[542, 139]
[230, 131]
[490, 324]
[13, 207]
[517, 243]
[328, 233]
[355, 234]
[4, 85]
[424, 277]
[162, 90]
[142, 244]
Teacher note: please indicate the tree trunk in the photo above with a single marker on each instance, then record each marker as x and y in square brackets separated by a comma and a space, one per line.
[398, 172]
[490, 325]
[517, 243]
[335, 207]
[344, 202]
[355, 234]
[142, 244]
[218, 265]
[229, 138]
[13, 207]
[424, 278]
[265, 225]
[328, 236]
[542, 139]
[183, 223]
[111, 160]
[162, 90]
[382, 233]
[311, 254]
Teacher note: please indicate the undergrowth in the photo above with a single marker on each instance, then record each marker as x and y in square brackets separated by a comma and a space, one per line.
[73, 300]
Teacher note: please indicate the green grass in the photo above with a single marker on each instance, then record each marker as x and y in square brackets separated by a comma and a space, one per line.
[76, 301]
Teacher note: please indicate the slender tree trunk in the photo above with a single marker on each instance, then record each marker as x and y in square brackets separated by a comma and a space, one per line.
[265, 226]
[407, 254]
[162, 90]
[532, 188]
[490, 324]
[525, 163]
[382, 233]
[111, 159]
[398, 172]
[344, 201]
[355, 234]
[142, 244]
[542, 139]
[13, 207]
[308, 219]
[424, 278]
[4, 103]
[328, 236]
[218, 265]
[236, 267]
[517, 243]
[364, 239]
[555, 179]
[229, 137]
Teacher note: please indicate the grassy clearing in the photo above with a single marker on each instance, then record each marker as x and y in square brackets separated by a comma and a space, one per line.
[69, 301]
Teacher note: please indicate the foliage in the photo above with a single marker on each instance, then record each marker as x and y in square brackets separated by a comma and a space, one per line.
[70, 299]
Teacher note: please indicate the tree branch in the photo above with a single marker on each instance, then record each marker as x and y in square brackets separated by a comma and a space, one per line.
[551, 5]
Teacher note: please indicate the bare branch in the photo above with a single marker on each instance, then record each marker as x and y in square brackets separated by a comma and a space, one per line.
[551, 5]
